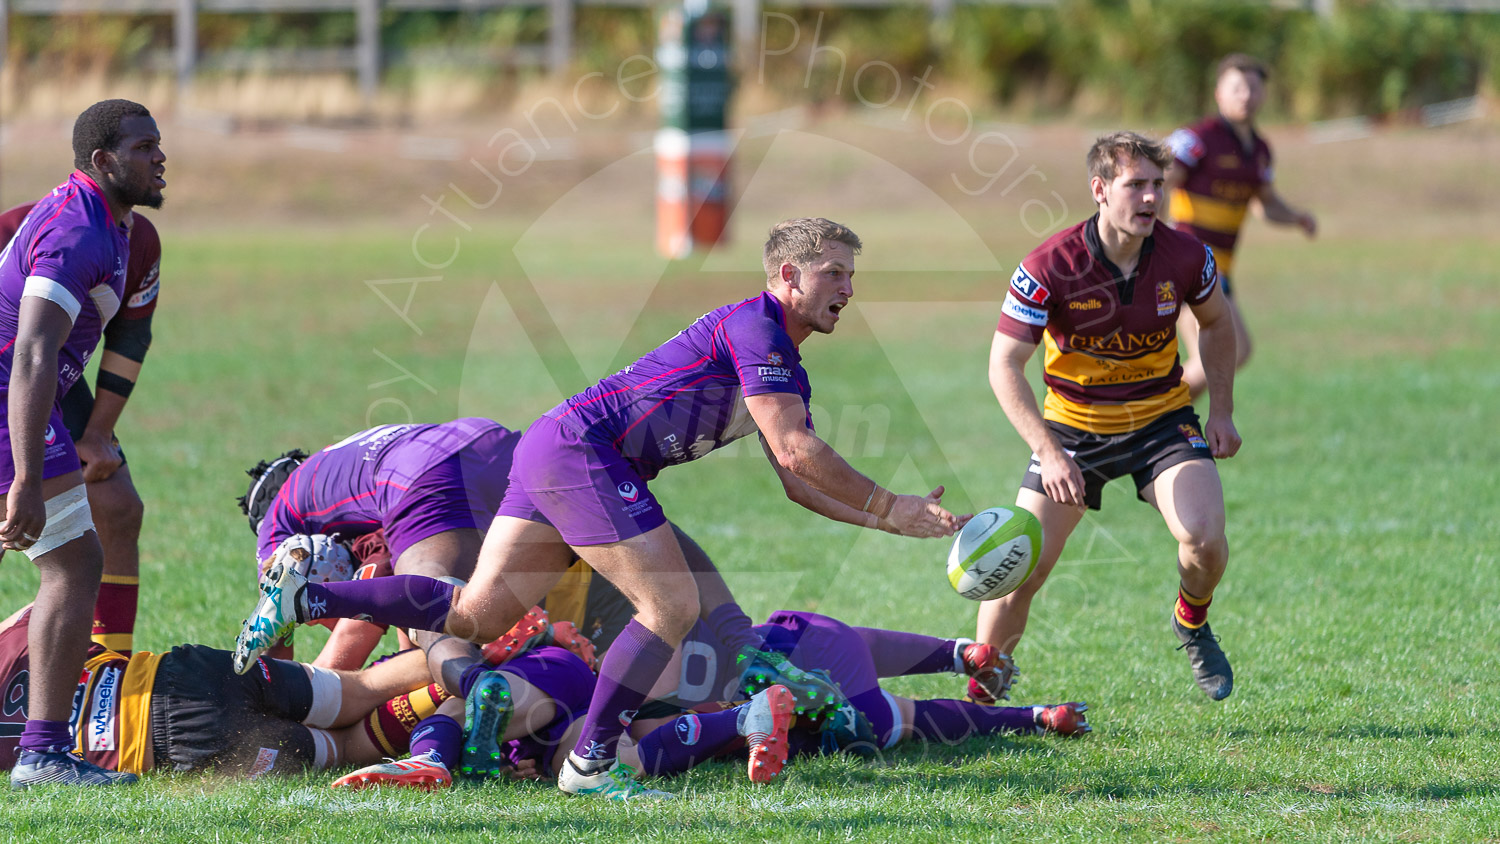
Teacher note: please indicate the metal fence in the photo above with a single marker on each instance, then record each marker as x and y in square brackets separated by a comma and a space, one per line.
[368, 55]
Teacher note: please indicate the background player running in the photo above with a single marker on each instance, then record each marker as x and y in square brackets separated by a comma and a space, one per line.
[1221, 168]
[61, 280]
[1104, 296]
[579, 485]
[91, 421]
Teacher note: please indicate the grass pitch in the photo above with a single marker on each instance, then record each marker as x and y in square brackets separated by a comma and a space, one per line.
[1357, 610]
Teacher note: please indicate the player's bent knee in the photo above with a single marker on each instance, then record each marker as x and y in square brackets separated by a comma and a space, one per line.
[672, 617]
[1211, 553]
[327, 697]
[117, 508]
[68, 518]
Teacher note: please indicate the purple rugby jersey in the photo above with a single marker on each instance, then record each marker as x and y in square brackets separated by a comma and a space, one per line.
[69, 251]
[686, 398]
[353, 486]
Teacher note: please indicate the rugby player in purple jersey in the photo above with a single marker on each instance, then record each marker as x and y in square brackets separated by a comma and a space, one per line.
[91, 418]
[432, 489]
[61, 280]
[579, 485]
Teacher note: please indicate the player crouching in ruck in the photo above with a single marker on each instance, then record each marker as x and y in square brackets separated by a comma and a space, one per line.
[1105, 296]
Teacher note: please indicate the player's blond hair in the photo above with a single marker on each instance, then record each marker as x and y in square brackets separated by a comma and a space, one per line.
[1111, 151]
[1244, 63]
[800, 241]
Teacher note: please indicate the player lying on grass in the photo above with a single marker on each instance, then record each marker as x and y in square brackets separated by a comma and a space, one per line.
[703, 716]
[580, 488]
[855, 659]
[186, 709]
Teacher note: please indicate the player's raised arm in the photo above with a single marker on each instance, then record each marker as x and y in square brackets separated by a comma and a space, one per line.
[800, 454]
[1061, 477]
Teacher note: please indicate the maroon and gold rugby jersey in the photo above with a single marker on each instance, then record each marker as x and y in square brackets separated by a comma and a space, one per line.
[111, 707]
[1222, 177]
[1111, 341]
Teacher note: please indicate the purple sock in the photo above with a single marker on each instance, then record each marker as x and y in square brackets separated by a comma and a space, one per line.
[405, 600]
[731, 626]
[440, 734]
[686, 741]
[471, 676]
[898, 654]
[39, 735]
[631, 665]
[952, 721]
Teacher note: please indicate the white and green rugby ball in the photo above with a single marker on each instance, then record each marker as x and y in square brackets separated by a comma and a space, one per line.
[994, 553]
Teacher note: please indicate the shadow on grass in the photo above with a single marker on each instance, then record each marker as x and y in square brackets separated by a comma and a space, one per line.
[1364, 731]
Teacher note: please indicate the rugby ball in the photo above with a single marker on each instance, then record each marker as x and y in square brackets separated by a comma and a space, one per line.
[994, 553]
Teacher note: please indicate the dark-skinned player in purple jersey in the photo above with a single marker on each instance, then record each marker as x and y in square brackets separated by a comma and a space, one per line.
[91, 417]
[61, 280]
[579, 486]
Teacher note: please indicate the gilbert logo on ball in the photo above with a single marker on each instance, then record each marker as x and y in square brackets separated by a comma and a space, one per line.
[994, 553]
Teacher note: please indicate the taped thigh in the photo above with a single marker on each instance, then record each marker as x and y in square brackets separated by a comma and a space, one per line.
[68, 518]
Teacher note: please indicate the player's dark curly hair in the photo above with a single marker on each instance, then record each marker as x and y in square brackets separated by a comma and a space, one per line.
[266, 479]
[99, 128]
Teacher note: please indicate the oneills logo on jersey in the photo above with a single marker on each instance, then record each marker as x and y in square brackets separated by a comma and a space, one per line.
[1086, 305]
[1028, 288]
[1166, 298]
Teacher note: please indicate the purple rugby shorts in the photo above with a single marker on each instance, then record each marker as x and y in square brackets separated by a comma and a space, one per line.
[59, 457]
[458, 493]
[586, 490]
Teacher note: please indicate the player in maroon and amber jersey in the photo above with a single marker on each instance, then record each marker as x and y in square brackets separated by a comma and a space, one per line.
[91, 421]
[1221, 169]
[1104, 296]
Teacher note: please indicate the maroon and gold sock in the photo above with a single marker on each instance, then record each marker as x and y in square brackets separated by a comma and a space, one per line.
[114, 613]
[1192, 611]
[390, 726]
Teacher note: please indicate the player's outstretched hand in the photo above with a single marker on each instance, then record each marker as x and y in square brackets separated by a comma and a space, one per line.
[99, 454]
[1062, 480]
[25, 516]
[923, 516]
[1223, 440]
